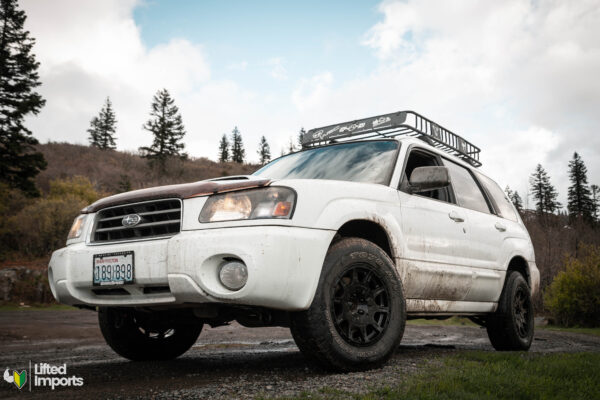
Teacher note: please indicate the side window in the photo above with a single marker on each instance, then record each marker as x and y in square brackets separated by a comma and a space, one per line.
[417, 159]
[466, 190]
[502, 202]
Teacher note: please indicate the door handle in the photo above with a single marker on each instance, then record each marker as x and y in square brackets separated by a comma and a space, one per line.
[500, 227]
[456, 217]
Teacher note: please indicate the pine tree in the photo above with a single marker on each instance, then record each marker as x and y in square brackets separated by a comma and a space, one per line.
[19, 160]
[224, 149]
[579, 202]
[514, 198]
[264, 151]
[543, 192]
[300, 137]
[237, 146]
[167, 127]
[595, 201]
[536, 181]
[103, 128]
[517, 201]
[291, 147]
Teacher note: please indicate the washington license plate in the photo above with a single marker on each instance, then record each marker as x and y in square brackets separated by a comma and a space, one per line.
[113, 268]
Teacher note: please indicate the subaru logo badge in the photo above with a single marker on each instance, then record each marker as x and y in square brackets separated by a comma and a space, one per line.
[131, 220]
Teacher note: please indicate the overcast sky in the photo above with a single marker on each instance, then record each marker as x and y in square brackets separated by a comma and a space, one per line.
[520, 79]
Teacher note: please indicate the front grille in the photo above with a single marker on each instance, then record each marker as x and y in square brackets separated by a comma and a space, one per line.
[158, 218]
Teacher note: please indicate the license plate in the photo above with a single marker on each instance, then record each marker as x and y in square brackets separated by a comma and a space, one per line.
[113, 268]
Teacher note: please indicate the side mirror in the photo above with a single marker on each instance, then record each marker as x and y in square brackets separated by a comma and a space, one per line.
[424, 179]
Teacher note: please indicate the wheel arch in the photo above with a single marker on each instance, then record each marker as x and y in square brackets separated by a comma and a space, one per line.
[368, 230]
[519, 264]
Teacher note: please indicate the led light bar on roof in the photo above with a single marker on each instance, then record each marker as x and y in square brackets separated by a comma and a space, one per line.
[407, 123]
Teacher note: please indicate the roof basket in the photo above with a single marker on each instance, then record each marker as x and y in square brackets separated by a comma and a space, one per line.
[407, 123]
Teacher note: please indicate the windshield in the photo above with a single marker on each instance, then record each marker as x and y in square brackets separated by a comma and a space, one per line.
[370, 162]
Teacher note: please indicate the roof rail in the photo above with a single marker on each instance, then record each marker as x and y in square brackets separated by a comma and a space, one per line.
[407, 123]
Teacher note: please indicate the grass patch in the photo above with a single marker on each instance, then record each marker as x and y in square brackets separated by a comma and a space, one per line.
[452, 321]
[587, 331]
[35, 307]
[493, 376]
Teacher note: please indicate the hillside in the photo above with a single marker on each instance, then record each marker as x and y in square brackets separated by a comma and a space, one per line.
[116, 171]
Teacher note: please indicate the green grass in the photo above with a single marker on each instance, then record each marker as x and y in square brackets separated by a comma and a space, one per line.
[493, 376]
[587, 331]
[35, 307]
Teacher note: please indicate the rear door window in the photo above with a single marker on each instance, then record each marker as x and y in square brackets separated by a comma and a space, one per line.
[466, 190]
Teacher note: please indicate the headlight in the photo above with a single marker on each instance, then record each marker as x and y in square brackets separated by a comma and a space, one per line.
[272, 202]
[77, 227]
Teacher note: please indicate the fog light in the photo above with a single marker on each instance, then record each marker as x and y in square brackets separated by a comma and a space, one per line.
[233, 274]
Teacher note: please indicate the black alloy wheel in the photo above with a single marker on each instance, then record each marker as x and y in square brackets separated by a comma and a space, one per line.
[522, 305]
[357, 317]
[511, 327]
[360, 305]
[143, 336]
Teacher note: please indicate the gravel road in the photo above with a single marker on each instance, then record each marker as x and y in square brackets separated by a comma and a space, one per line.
[226, 362]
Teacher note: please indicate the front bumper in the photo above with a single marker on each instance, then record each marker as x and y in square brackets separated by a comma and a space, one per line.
[284, 265]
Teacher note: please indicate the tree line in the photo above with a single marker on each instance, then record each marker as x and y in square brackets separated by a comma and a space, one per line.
[166, 126]
[583, 199]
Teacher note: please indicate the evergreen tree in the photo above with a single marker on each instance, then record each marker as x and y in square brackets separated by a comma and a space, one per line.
[264, 151]
[300, 136]
[103, 128]
[224, 149]
[543, 192]
[517, 201]
[19, 161]
[579, 202]
[167, 127]
[291, 147]
[237, 146]
[595, 201]
[514, 198]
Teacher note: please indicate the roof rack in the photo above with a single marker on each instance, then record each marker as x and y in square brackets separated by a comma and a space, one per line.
[407, 123]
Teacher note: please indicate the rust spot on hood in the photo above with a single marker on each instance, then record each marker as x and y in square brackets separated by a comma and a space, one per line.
[182, 191]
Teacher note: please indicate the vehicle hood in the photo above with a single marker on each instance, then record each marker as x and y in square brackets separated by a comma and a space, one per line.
[181, 191]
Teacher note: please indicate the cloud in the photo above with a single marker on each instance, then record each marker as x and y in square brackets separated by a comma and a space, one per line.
[239, 66]
[310, 92]
[517, 78]
[278, 71]
[92, 50]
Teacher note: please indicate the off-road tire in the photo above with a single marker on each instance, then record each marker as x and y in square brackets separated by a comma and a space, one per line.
[127, 334]
[332, 345]
[511, 327]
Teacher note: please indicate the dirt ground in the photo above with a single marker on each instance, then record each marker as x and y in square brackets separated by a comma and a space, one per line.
[226, 362]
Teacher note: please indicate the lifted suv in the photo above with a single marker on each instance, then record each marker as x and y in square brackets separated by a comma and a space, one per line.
[373, 222]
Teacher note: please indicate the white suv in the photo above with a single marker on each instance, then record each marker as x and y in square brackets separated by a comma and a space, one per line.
[373, 222]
